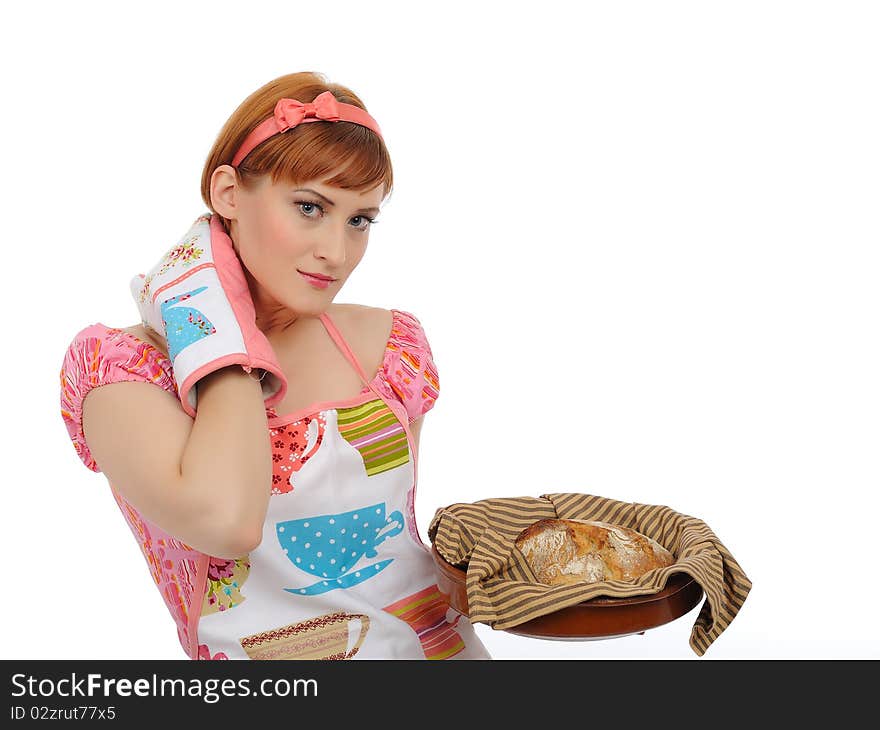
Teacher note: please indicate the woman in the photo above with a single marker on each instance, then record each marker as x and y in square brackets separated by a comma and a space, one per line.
[300, 542]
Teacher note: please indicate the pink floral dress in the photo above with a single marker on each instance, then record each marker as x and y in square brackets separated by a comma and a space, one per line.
[341, 572]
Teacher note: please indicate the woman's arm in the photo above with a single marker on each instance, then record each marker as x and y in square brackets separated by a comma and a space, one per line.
[205, 481]
[228, 456]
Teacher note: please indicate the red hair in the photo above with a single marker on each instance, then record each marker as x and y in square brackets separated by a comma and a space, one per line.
[307, 152]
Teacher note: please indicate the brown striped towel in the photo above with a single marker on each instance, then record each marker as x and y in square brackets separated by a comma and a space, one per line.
[503, 592]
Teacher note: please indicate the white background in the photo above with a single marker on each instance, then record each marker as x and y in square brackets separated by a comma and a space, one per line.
[641, 237]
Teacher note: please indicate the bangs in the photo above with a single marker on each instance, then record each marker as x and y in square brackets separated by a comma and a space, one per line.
[340, 154]
[314, 151]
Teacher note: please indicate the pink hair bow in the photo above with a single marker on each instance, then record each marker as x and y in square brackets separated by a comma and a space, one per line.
[290, 112]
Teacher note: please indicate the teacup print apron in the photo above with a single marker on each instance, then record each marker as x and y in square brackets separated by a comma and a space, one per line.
[341, 572]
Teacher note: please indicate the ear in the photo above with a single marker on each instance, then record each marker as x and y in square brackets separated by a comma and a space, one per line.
[223, 187]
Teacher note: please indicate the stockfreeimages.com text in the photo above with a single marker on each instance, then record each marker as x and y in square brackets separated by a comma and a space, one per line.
[211, 689]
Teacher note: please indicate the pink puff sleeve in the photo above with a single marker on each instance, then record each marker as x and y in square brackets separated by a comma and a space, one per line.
[408, 366]
[100, 355]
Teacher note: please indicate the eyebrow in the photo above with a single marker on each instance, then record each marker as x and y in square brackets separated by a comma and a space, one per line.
[330, 202]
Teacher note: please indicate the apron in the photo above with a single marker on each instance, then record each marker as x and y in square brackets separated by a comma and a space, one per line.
[341, 572]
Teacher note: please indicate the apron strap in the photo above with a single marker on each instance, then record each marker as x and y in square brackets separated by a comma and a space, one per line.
[343, 346]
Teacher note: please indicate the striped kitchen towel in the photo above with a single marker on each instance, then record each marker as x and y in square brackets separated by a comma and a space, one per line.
[503, 592]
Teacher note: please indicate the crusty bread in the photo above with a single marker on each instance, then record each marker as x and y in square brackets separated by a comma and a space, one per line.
[571, 551]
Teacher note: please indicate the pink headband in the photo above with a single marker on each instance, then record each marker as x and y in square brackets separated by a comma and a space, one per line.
[290, 112]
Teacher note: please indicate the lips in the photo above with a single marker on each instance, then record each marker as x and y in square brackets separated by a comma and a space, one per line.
[323, 277]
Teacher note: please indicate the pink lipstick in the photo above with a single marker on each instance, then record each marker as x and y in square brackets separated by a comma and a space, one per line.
[315, 281]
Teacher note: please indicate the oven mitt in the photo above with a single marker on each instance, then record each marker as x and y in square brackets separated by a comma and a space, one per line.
[197, 298]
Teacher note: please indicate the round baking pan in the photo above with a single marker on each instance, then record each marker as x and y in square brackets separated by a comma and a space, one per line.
[598, 618]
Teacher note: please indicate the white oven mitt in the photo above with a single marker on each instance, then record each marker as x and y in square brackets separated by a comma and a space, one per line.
[197, 298]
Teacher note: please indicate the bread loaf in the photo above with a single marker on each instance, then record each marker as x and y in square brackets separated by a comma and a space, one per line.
[570, 551]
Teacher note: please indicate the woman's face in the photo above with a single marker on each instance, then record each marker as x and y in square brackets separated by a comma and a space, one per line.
[279, 230]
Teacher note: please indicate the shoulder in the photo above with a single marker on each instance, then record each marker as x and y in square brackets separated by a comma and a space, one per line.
[97, 348]
[394, 329]
[407, 368]
[366, 329]
[99, 355]
[362, 319]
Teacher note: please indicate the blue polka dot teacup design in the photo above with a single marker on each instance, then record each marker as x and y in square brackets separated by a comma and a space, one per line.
[330, 546]
[184, 324]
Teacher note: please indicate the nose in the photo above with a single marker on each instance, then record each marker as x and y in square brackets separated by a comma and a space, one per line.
[332, 246]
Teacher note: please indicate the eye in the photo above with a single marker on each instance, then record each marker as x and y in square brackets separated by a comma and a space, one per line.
[309, 205]
[369, 222]
[306, 204]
